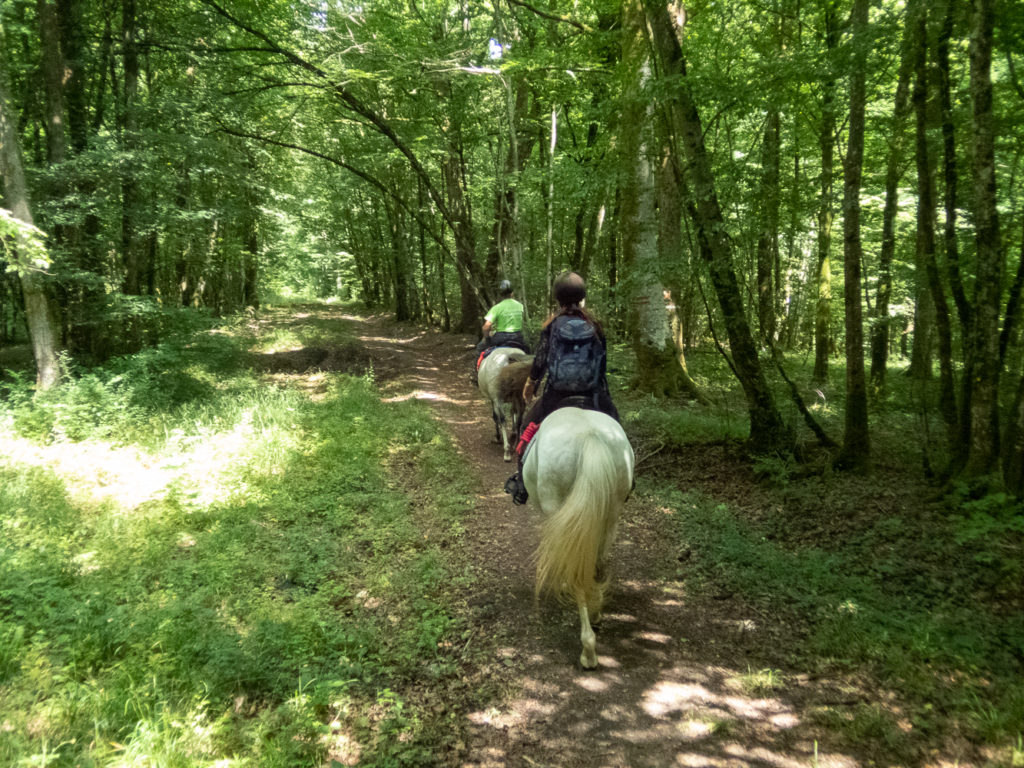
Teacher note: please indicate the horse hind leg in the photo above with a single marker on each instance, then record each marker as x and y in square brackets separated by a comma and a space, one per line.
[506, 438]
[588, 658]
[595, 603]
[501, 435]
[496, 416]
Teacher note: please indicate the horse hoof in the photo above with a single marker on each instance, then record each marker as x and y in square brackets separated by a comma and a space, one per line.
[508, 458]
[588, 660]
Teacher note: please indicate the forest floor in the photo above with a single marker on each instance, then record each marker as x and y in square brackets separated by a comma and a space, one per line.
[684, 679]
[327, 484]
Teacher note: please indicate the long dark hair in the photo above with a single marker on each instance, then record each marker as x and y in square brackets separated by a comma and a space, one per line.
[577, 311]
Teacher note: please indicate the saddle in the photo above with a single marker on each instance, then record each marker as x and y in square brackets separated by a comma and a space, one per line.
[514, 344]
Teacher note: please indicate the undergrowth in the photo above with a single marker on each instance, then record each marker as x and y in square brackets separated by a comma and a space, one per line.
[272, 599]
[926, 604]
[915, 593]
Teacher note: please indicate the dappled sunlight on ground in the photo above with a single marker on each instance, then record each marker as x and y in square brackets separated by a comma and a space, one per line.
[419, 394]
[685, 715]
[197, 466]
[655, 700]
[670, 688]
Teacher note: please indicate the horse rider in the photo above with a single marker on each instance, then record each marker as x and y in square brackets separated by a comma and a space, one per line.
[573, 354]
[503, 325]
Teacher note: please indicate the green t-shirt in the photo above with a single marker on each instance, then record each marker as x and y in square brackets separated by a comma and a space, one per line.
[506, 316]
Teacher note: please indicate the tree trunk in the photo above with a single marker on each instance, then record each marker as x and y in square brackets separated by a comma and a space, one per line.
[826, 141]
[549, 208]
[950, 174]
[53, 76]
[399, 267]
[926, 234]
[56, 189]
[87, 300]
[856, 451]
[39, 312]
[642, 249]
[922, 351]
[250, 259]
[130, 143]
[421, 239]
[1013, 306]
[768, 240]
[790, 297]
[72, 31]
[768, 432]
[1013, 450]
[614, 302]
[464, 246]
[893, 172]
[670, 251]
[983, 346]
[446, 315]
[505, 255]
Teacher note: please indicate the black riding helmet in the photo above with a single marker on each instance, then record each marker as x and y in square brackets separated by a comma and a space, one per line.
[505, 288]
[570, 288]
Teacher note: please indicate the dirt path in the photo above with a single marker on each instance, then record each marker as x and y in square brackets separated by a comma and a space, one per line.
[669, 690]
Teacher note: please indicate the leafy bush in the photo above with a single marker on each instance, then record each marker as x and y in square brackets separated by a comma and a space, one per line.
[992, 528]
[684, 426]
[122, 399]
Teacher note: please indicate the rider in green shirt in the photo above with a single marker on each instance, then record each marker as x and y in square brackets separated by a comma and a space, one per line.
[503, 324]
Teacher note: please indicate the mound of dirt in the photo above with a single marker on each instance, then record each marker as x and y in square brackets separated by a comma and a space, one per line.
[353, 359]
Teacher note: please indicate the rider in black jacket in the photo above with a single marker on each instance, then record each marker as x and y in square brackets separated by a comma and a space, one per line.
[581, 383]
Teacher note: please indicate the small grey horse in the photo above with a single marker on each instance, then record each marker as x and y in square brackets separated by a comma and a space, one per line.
[497, 387]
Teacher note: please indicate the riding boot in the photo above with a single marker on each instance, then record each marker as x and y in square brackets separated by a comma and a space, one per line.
[515, 486]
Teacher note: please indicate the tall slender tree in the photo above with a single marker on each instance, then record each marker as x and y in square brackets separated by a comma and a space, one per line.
[982, 369]
[856, 450]
[767, 430]
[768, 238]
[826, 214]
[39, 311]
[894, 164]
[641, 245]
[926, 242]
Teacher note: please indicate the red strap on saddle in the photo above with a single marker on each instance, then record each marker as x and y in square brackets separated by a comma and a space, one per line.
[481, 358]
[528, 433]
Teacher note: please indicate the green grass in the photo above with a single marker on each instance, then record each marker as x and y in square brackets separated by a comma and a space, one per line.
[910, 614]
[273, 600]
[762, 682]
[915, 596]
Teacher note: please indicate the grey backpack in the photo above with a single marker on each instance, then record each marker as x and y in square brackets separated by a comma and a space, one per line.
[575, 355]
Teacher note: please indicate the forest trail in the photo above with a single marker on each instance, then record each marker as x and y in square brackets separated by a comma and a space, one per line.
[669, 689]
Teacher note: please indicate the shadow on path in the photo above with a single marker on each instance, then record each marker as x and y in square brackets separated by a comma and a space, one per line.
[673, 686]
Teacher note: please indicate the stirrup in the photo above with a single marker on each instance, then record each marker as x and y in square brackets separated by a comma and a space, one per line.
[514, 486]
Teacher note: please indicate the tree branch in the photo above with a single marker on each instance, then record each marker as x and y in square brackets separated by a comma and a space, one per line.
[794, 394]
[353, 103]
[550, 16]
[368, 178]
